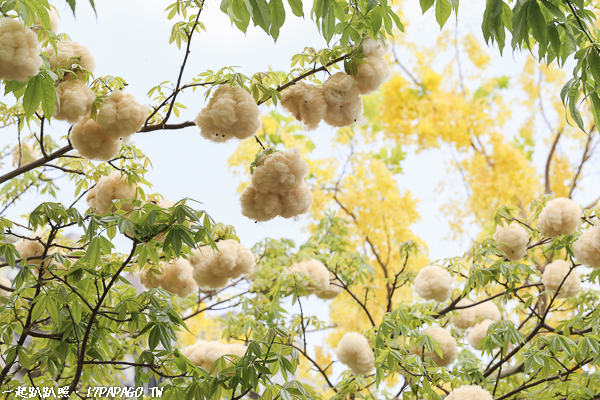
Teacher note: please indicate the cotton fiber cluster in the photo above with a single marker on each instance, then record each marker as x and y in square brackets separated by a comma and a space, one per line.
[514, 241]
[466, 317]
[316, 271]
[213, 269]
[447, 343]
[204, 354]
[433, 283]
[176, 278]
[587, 248]
[555, 273]
[277, 187]
[344, 104]
[24, 154]
[354, 351]
[4, 282]
[109, 188]
[332, 290]
[91, 141]
[75, 101]
[121, 115]
[70, 53]
[31, 247]
[469, 392]
[375, 70]
[231, 112]
[478, 332]
[19, 51]
[306, 103]
[559, 217]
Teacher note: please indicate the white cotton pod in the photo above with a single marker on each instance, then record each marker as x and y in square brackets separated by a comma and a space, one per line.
[280, 172]
[19, 51]
[447, 343]
[112, 187]
[514, 241]
[177, 278]
[316, 271]
[559, 217]
[334, 289]
[75, 101]
[478, 332]
[4, 282]
[587, 248]
[266, 206]
[70, 53]
[306, 103]
[24, 154]
[372, 74]
[464, 317]
[354, 351]
[91, 142]
[230, 113]
[553, 277]
[31, 247]
[121, 115]
[469, 392]
[204, 354]
[344, 104]
[488, 310]
[433, 283]
[213, 269]
[375, 48]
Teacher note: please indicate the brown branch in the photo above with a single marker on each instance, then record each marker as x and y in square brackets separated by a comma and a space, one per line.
[584, 158]
[549, 161]
[35, 164]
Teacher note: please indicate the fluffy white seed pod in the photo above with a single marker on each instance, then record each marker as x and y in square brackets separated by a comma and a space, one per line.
[316, 271]
[433, 283]
[488, 310]
[560, 217]
[375, 48]
[204, 354]
[231, 112]
[280, 172]
[447, 346]
[555, 273]
[469, 392]
[514, 240]
[478, 332]
[344, 105]
[19, 51]
[4, 282]
[24, 154]
[177, 278]
[465, 317]
[587, 248]
[334, 289]
[91, 142]
[121, 115]
[76, 101]
[31, 247]
[306, 103]
[68, 54]
[109, 188]
[354, 351]
[213, 269]
[371, 75]
[266, 206]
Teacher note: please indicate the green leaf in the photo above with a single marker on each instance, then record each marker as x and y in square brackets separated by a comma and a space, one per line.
[277, 17]
[426, 5]
[538, 26]
[376, 19]
[48, 95]
[238, 7]
[442, 11]
[261, 15]
[296, 6]
[33, 96]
